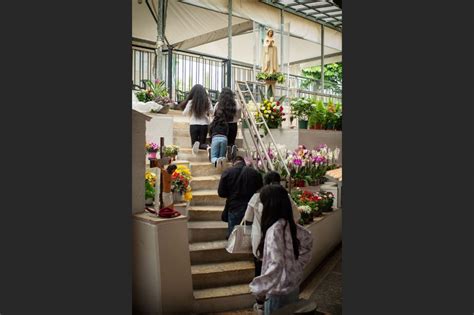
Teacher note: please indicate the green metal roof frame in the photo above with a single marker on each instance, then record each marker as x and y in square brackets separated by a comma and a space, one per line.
[326, 13]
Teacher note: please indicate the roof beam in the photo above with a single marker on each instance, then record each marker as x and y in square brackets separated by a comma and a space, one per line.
[315, 58]
[213, 36]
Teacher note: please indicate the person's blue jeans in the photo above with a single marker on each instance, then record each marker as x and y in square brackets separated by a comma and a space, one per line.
[235, 217]
[275, 302]
[218, 147]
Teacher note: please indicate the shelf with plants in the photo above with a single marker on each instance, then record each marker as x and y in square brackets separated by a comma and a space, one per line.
[316, 114]
[306, 167]
[156, 92]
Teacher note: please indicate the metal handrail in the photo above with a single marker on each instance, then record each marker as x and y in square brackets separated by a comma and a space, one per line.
[254, 126]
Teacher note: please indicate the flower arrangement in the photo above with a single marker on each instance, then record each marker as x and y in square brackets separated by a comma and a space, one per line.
[309, 166]
[312, 204]
[272, 112]
[152, 147]
[276, 76]
[301, 107]
[180, 182]
[171, 150]
[150, 181]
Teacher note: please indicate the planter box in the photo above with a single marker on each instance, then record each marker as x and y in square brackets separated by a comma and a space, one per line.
[327, 234]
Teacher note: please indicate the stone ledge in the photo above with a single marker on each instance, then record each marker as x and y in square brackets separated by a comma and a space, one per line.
[152, 219]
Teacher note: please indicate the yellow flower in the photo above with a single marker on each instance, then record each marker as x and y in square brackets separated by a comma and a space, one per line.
[188, 196]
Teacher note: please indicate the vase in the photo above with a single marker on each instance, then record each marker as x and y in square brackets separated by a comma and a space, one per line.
[152, 155]
[302, 124]
[177, 197]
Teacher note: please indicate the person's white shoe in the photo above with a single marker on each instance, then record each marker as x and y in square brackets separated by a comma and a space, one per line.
[196, 147]
[258, 309]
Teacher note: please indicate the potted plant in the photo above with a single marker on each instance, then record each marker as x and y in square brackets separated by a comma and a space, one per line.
[317, 116]
[152, 148]
[301, 108]
[330, 119]
[171, 151]
[306, 214]
[338, 119]
[272, 112]
[271, 78]
[326, 201]
[150, 180]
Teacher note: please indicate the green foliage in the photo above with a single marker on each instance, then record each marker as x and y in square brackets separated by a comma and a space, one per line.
[317, 114]
[332, 76]
[301, 107]
[277, 76]
[149, 190]
[153, 90]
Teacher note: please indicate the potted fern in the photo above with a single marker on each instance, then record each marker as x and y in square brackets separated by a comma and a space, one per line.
[317, 117]
[301, 109]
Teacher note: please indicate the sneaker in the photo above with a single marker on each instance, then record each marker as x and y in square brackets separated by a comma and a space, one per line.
[228, 154]
[196, 147]
[233, 152]
[209, 153]
[258, 309]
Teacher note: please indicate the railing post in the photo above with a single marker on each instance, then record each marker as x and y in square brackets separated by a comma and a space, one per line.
[170, 72]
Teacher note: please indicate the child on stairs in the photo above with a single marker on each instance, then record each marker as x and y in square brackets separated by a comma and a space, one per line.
[218, 131]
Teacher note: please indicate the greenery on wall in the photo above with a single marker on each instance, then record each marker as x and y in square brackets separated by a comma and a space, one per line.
[332, 75]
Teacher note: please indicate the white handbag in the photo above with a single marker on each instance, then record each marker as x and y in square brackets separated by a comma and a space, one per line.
[240, 240]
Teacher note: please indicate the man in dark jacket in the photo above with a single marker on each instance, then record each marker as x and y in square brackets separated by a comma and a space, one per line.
[238, 184]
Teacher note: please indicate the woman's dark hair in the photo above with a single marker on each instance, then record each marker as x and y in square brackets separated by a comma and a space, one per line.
[219, 118]
[200, 106]
[227, 103]
[171, 168]
[250, 182]
[238, 159]
[271, 177]
[277, 205]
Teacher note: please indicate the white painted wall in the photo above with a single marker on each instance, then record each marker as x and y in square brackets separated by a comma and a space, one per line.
[159, 126]
[138, 166]
[162, 280]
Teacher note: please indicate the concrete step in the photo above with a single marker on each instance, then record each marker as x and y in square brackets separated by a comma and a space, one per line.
[206, 168]
[209, 252]
[222, 299]
[182, 141]
[207, 231]
[208, 197]
[205, 213]
[213, 275]
[205, 182]
[187, 154]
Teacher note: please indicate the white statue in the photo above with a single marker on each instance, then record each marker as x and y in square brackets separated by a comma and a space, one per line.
[270, 57]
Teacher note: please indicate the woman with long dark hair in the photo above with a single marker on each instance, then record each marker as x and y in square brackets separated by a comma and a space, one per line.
[285, 249]
[253, 215]
[232, 110]
[198, 107]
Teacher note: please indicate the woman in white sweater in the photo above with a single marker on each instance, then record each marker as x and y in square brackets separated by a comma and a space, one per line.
[197, 107]
[285, 249]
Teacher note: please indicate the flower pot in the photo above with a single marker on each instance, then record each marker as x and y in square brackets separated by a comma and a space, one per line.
[302, 124]
[149, 202]
[152, 155]
[300, 183]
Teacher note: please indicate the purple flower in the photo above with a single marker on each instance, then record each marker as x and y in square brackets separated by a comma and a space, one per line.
[297, 162]
[319, 159]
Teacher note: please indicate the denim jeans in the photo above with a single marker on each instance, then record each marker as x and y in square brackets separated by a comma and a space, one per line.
[235, 217]
[218, 147]
[275, 302]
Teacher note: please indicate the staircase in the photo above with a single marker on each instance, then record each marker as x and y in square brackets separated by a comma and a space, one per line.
[220, 279]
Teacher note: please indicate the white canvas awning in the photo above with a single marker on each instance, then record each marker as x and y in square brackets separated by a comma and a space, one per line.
[201, 26]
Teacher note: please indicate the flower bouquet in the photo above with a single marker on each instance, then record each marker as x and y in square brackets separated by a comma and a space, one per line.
[151, 148]
[272, 112]
[150, 181]
[171, 151]
[180, 182]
